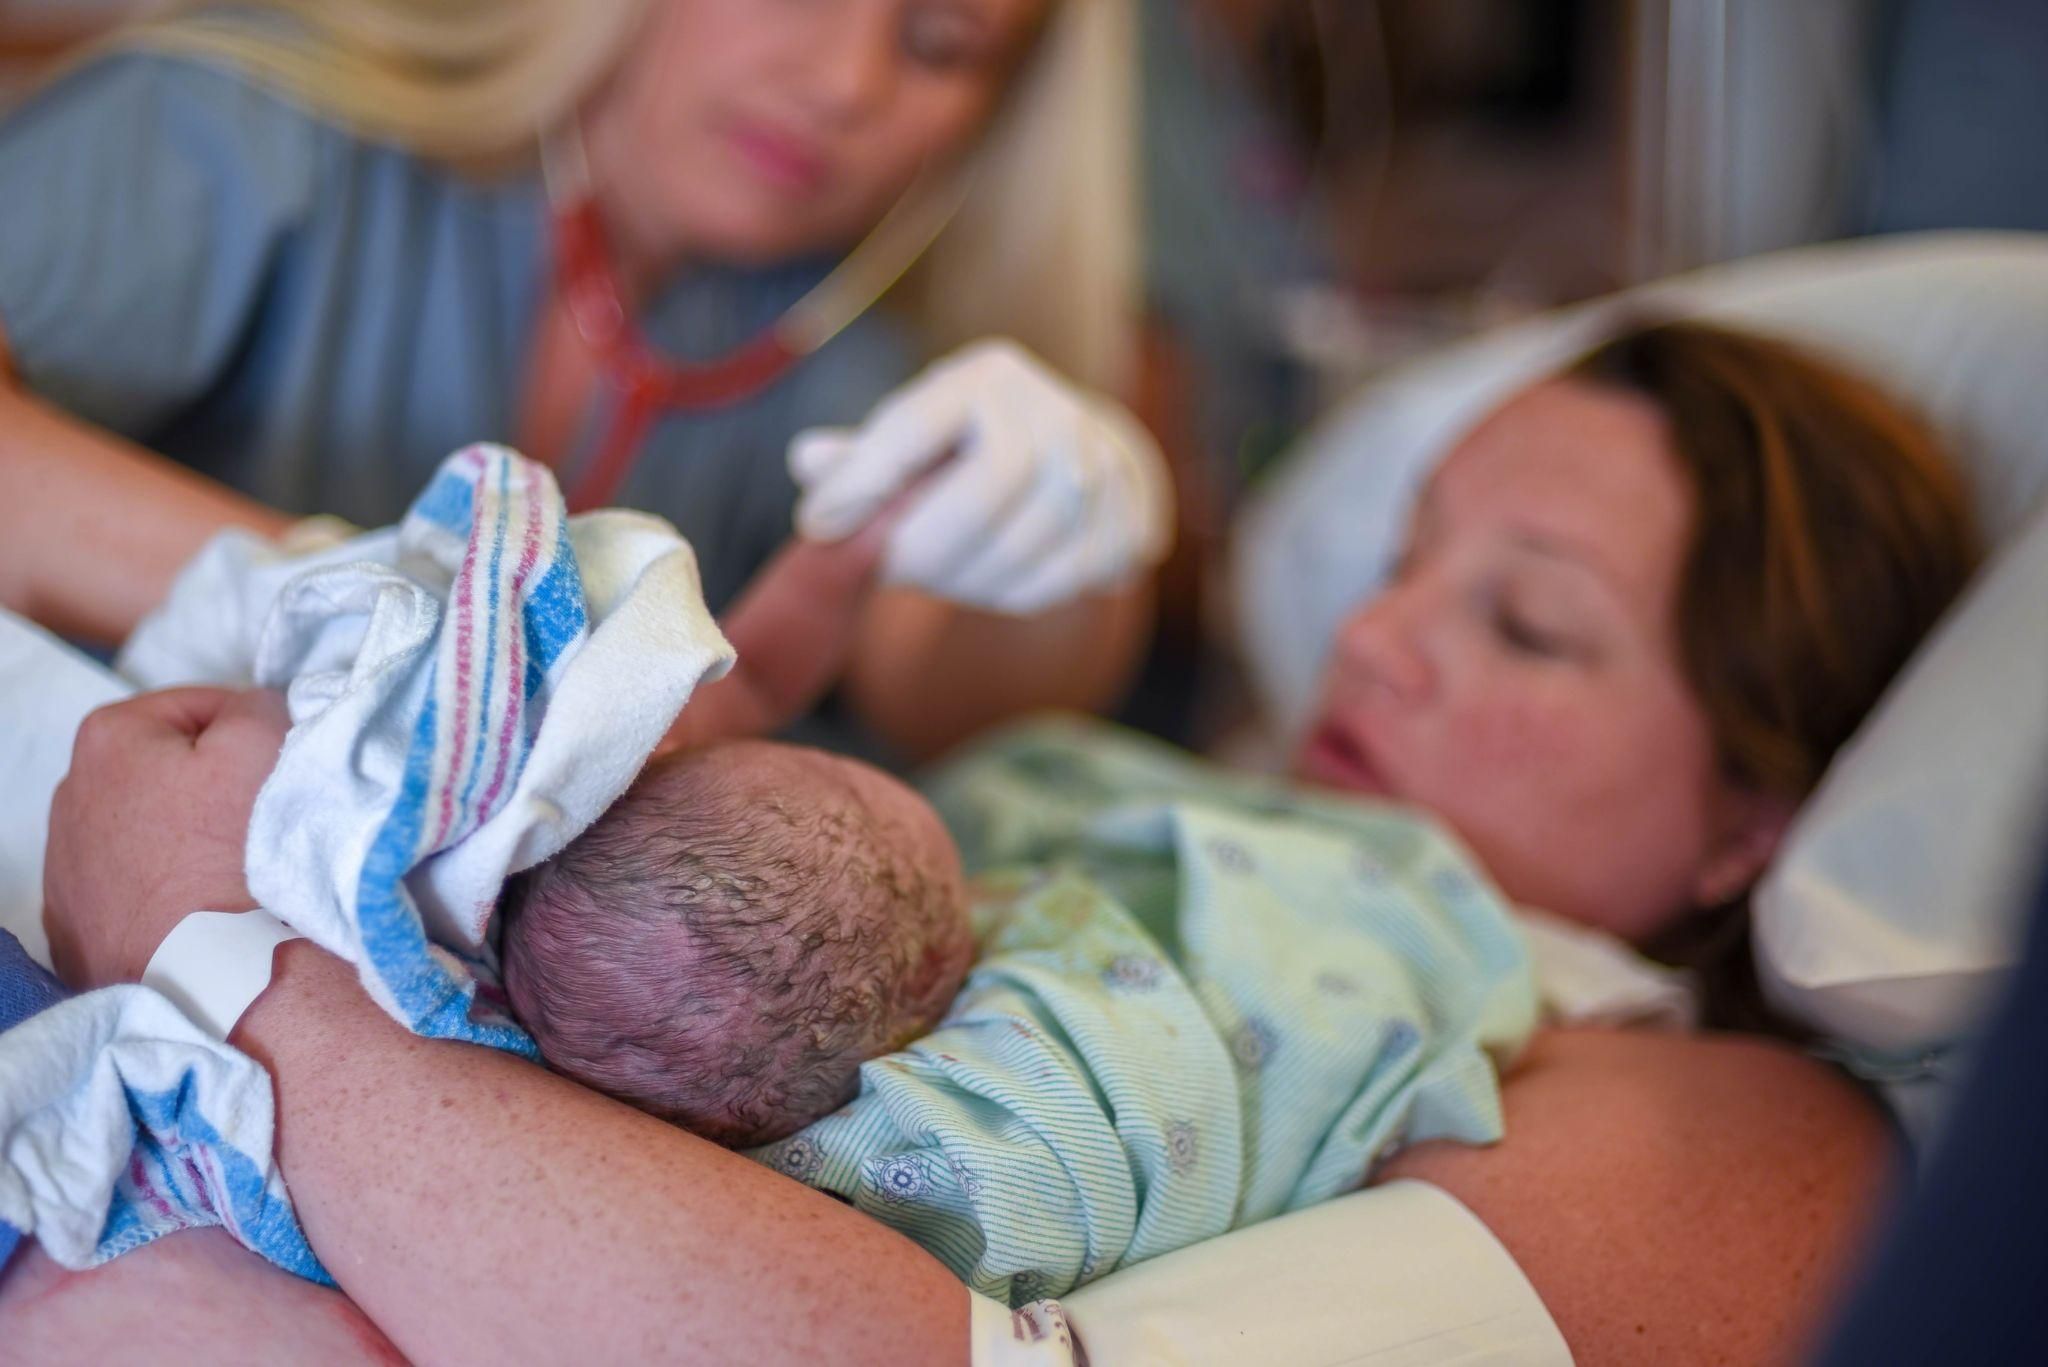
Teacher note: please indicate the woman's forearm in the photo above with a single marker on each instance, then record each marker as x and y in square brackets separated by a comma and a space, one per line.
[928, 673]
[93, 528]
[481, 1209]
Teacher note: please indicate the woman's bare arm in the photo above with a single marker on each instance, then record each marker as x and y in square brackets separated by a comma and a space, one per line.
[480, 1209]
[1674, 1199]
[92, 527]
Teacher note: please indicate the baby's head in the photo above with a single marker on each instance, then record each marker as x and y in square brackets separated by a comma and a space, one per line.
[727, 943]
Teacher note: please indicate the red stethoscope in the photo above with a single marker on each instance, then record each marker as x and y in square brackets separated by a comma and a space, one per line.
[648, 384]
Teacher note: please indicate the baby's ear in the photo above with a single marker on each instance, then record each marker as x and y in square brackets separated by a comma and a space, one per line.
[1748, 828]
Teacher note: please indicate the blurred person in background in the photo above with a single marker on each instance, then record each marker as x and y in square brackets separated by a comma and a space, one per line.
[304, 250]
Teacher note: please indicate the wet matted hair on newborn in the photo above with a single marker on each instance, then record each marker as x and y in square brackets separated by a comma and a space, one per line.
[734, 936]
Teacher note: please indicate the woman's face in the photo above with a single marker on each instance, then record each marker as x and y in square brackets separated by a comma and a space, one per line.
[1519, 676]
[754, 130]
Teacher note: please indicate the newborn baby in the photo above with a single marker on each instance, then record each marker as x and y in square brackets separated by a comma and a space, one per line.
[750, 921]
[734, 936]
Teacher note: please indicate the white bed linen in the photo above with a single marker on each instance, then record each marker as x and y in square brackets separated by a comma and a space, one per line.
[46, 688]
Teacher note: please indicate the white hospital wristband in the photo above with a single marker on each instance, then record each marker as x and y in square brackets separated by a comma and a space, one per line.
[213, 964]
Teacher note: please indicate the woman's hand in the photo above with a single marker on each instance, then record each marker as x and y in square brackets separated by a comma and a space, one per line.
[151, 822]
[1047, 493]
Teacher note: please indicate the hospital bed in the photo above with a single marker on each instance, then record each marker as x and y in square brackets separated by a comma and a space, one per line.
[1885, 923]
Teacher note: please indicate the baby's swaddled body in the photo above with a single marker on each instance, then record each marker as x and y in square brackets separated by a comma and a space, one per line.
[728, 943]
[1197, 1001]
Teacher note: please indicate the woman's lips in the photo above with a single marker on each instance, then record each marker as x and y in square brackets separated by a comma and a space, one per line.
[1332, 756]
[787, 162]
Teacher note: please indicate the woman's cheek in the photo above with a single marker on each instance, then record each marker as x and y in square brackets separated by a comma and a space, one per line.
[1523, 742]
[1536, 797]
[1502, 776]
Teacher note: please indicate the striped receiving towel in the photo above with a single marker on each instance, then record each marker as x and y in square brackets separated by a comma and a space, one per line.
[486, 719]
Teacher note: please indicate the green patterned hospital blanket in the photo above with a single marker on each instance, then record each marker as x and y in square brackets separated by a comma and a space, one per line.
[1202, 1000]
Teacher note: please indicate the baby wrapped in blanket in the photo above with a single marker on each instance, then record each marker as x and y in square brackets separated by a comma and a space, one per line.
[1200, 1000]
[724, 943]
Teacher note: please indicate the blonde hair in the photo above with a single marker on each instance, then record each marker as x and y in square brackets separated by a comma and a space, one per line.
[1044, 250]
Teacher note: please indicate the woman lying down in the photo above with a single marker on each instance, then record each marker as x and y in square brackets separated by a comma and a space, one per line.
[1610, 665]
[1198, 1002]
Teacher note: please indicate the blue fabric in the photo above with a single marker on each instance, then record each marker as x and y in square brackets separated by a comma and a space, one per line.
[25, 988]
[1960, 81]
[317, 320]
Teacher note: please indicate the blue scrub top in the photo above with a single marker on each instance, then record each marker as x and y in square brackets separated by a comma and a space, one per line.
[201, 266]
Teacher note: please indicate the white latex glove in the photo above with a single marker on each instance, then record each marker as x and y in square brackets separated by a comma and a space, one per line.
[1051, 492]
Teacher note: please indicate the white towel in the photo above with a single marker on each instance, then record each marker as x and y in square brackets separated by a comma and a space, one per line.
[460, 709]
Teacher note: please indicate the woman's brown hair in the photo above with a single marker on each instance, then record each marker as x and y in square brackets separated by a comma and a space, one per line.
[1830, 532]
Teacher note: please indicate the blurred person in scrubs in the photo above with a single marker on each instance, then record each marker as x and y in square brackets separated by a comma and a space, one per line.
[278, 259]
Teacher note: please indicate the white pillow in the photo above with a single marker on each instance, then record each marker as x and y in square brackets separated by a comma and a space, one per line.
[1896, 897]
[1895, 905]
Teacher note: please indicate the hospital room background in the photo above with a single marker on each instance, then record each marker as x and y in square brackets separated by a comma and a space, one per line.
[1330, 188]
[1344, 205]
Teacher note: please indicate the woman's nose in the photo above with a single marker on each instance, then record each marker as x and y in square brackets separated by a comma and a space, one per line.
[852, 58]
[1383, 649]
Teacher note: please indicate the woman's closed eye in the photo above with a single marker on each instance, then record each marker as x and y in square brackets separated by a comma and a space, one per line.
[1541, 632]
[1526, 638]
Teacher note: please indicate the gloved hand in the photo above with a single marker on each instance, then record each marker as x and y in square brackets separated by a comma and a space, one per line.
[1050, 492]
